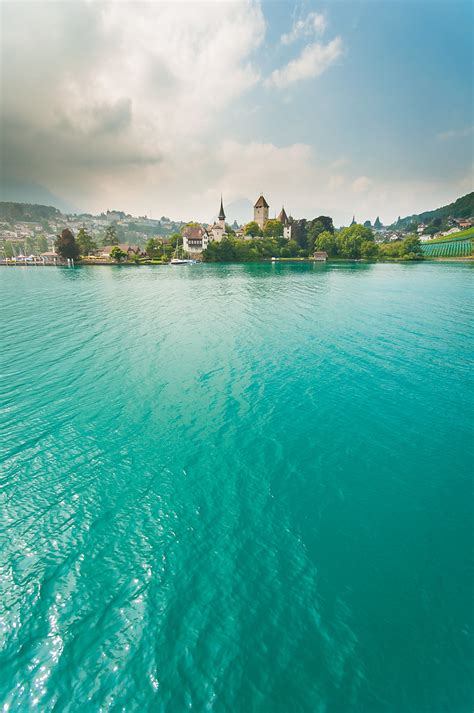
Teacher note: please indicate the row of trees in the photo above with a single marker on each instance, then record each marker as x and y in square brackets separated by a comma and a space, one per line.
[356, 242]
[32, 244]
[83, 244]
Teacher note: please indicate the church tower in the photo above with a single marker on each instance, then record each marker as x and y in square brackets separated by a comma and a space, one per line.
[260, 212]
[221, 217]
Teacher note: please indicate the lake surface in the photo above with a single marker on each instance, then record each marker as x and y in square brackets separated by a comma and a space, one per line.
[236, 488]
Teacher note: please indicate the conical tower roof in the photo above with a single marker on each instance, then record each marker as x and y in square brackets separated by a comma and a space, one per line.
[221, 212]
[261, 203]
[282, 217]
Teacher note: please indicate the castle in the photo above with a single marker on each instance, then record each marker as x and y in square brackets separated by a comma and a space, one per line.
[260, 216]
[196, 238]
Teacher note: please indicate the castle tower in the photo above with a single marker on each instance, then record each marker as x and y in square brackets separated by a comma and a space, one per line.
[283, 218]
[221, 217]
[260, 212]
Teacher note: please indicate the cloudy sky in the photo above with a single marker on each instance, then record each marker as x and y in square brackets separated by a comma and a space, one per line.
[155, 108]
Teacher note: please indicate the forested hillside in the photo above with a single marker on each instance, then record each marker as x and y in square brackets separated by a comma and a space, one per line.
[461, 208]
[27, 212]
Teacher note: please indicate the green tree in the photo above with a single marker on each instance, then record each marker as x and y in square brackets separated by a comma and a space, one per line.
[369, 249]
[30, 244]
[66, 245]
[411, 248]
[291, 249]
[42, 243]
[326, 242]
[299, 232]
[118, 254]
[154, 248]
[8, 249]
[350, 240]
[85, 242]
[110, 235]
[377, 224]
[252, 229]
[407, 249]
[321, 224]
[273, 229]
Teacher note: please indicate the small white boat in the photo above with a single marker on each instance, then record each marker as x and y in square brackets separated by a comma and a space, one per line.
[178, 258]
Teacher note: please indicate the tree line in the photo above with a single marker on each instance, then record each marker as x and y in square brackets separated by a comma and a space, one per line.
[318, 235]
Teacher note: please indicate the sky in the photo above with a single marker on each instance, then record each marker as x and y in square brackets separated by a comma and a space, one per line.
[157, 108]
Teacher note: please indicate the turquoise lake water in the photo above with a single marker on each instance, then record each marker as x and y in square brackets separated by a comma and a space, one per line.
[236, 488]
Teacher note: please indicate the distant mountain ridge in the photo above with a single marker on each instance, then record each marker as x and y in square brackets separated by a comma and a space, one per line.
[461, 208]
[29, 212]
[34, 194]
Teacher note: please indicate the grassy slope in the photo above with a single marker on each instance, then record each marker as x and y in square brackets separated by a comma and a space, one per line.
[462, 235]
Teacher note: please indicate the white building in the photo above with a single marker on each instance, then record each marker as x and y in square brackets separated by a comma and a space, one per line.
[217, 231]
[195, 239]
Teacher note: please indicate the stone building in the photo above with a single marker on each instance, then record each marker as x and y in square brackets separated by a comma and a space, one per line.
[260, 212]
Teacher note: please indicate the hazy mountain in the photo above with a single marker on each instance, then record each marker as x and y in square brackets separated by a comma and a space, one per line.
[240, 210]
[34, 193]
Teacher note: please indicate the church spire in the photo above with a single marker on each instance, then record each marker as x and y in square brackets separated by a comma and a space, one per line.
[221, 212]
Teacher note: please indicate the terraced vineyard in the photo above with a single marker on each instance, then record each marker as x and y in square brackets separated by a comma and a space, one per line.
[447, 248]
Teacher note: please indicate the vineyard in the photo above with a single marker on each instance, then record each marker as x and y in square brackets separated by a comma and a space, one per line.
[447, 248]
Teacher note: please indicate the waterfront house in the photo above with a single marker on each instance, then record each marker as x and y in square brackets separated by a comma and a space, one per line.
[195, 239]
[320, 256]
[51, 258]
[131, 250]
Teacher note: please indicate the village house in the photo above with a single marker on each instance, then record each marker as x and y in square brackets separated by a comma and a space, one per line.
[195, 239]
[131, 250]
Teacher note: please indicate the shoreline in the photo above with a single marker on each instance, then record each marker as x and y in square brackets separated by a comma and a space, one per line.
[294, 261]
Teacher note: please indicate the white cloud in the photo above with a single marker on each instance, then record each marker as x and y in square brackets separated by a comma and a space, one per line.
[314, 23]
[146, 83]
[362, 184]
[313, 61]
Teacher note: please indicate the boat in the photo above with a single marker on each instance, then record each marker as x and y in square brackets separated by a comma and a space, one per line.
[178, 258]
